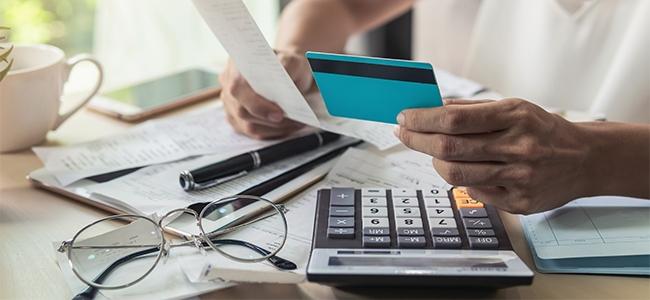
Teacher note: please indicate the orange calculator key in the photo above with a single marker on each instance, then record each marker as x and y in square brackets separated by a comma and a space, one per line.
[461, 193]
[463, 200]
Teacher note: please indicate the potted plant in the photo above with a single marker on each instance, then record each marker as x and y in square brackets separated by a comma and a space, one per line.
[5, 62]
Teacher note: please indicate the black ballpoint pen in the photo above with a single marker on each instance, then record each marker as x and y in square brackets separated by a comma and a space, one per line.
[237, 166]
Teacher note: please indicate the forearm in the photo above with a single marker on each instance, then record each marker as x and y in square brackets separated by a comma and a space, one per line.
[326, 25]
[619, 159]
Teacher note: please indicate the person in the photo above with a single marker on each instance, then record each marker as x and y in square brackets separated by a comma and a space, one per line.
[510, 152]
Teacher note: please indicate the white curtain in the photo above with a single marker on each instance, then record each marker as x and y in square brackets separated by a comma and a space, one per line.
[139, 39]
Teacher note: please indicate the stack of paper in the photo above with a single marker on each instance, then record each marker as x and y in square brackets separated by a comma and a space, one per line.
[600, 235]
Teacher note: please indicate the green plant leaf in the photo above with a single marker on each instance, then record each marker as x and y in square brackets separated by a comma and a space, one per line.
[5, 54]
[4, 71]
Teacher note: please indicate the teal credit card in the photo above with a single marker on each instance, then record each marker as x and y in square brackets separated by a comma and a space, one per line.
[374, 89]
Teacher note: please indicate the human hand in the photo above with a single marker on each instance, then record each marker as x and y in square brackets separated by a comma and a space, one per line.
[509, 153]
[253, 115]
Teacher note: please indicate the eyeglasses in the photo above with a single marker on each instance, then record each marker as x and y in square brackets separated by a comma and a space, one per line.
[105, 258]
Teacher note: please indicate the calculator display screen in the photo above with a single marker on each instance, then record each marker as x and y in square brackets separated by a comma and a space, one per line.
[418, 262]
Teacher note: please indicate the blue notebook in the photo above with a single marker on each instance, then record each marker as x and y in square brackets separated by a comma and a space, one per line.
[598, 235]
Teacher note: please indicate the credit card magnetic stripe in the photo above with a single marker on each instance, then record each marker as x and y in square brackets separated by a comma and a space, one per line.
[412, 74]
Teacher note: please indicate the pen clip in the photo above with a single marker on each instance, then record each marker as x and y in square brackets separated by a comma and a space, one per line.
[218, 181]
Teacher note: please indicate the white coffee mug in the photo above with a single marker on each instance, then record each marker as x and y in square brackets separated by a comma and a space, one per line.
[30, 94]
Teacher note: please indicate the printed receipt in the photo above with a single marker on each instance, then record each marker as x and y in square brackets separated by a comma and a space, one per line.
[151, 143]
[235, 28]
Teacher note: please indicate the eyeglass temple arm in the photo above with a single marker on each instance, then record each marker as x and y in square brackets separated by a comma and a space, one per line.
[277, 261]
[91, 291]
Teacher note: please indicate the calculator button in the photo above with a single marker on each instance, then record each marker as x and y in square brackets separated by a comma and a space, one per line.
[342, 211]
[479, 223]
[434, 193]
[374, 212]
[404, 193]
[342, 197]
[411, 241]
[376, 231]
[340, 233]
[446, 242]
[483, 242]
[408, 223]
[444, 231]
[473, 212]
[341, 222]
[375, 222]
[373, 192]
[410, 231]
[440, 212]
[405, 201]
[373, 201]
[442, 223]
[468, 203]
[407, 212]
[437, 202]
[376, 241]
[461, 193]
[480, 232]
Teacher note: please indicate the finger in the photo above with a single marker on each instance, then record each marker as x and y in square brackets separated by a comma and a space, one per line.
[470, 173]
[459, 119]
[298, 69]
[474, 147]
[257, 105]
[488, 194]
[239, 112]
[455, 101]
[258, 131]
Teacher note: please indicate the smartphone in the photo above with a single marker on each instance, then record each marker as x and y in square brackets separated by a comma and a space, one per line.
[143, 100]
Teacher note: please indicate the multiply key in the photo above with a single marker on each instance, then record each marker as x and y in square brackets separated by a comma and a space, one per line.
[341, 222]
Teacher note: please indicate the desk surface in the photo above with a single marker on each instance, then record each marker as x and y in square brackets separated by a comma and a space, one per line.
[30, 219]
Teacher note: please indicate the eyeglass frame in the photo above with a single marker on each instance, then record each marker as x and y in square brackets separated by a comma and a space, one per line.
[196, 240]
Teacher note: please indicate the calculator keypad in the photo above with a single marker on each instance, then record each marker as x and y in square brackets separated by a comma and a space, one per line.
[410, 218]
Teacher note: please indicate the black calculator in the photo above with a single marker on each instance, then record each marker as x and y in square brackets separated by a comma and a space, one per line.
[395, 237]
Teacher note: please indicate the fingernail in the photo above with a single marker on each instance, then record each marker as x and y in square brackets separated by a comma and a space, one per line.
[400, 118]
[396, 131]
[275, 117]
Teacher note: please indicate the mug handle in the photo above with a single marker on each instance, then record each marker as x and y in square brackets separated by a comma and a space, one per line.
[69, 65]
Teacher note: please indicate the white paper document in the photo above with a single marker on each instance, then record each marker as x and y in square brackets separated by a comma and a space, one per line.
[591, 227]
[355, 168]
[235, 28]
[155, 189]
[153, 142]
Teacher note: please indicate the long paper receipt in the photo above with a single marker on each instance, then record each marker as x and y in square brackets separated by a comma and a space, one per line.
[235, 28]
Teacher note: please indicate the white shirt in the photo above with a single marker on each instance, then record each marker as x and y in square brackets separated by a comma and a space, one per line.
[588, 55]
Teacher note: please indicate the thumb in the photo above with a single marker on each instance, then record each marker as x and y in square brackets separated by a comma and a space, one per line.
[453, 101]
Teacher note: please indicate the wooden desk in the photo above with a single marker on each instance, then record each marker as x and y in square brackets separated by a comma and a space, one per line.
[30, 219]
